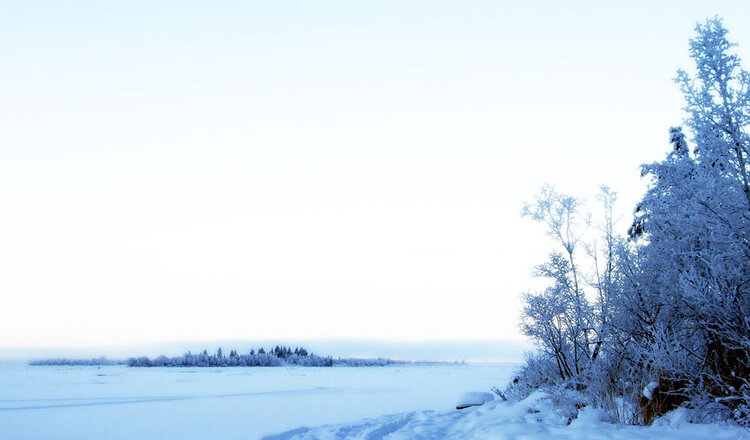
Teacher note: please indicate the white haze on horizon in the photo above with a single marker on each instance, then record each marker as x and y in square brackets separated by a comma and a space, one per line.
[259, 171]
[431, 351]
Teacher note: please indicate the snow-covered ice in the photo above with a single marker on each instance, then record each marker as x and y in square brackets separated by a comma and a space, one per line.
[118, 402]
[396, 402]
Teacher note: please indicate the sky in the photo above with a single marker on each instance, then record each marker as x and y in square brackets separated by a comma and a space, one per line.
[174, 170]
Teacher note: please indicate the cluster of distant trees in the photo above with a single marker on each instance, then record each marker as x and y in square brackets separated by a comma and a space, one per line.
[275, 357]
[657, 318]
[83, 362]
[278, 356]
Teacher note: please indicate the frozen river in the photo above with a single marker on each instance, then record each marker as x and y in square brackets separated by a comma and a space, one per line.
[118, 402]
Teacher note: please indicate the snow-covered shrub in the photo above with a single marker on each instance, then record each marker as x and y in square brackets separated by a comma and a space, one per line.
[608, 386]
[537, 372]
[567, 401]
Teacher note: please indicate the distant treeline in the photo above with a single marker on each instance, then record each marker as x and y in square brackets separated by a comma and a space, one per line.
[64, 361]
[276, 357]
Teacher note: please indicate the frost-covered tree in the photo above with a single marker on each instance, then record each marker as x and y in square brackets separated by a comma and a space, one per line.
[670, 319]
[718, 102]
[560, 317]
[604, 250]
[693, 281]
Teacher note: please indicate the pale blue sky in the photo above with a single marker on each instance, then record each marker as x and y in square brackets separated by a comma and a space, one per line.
[233, 170]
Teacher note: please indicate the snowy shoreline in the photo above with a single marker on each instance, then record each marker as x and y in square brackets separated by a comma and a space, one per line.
[395, 402]
[532, 418]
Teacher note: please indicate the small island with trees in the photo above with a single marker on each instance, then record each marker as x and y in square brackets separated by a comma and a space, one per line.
[278, 356]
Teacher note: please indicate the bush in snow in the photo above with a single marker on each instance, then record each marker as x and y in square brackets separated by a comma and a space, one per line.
[538, 371]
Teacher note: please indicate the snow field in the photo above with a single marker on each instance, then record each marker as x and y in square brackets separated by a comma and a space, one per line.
[118, 402]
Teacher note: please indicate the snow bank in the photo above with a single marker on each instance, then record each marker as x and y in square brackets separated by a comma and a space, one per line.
[534, 417]
[473, 399]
